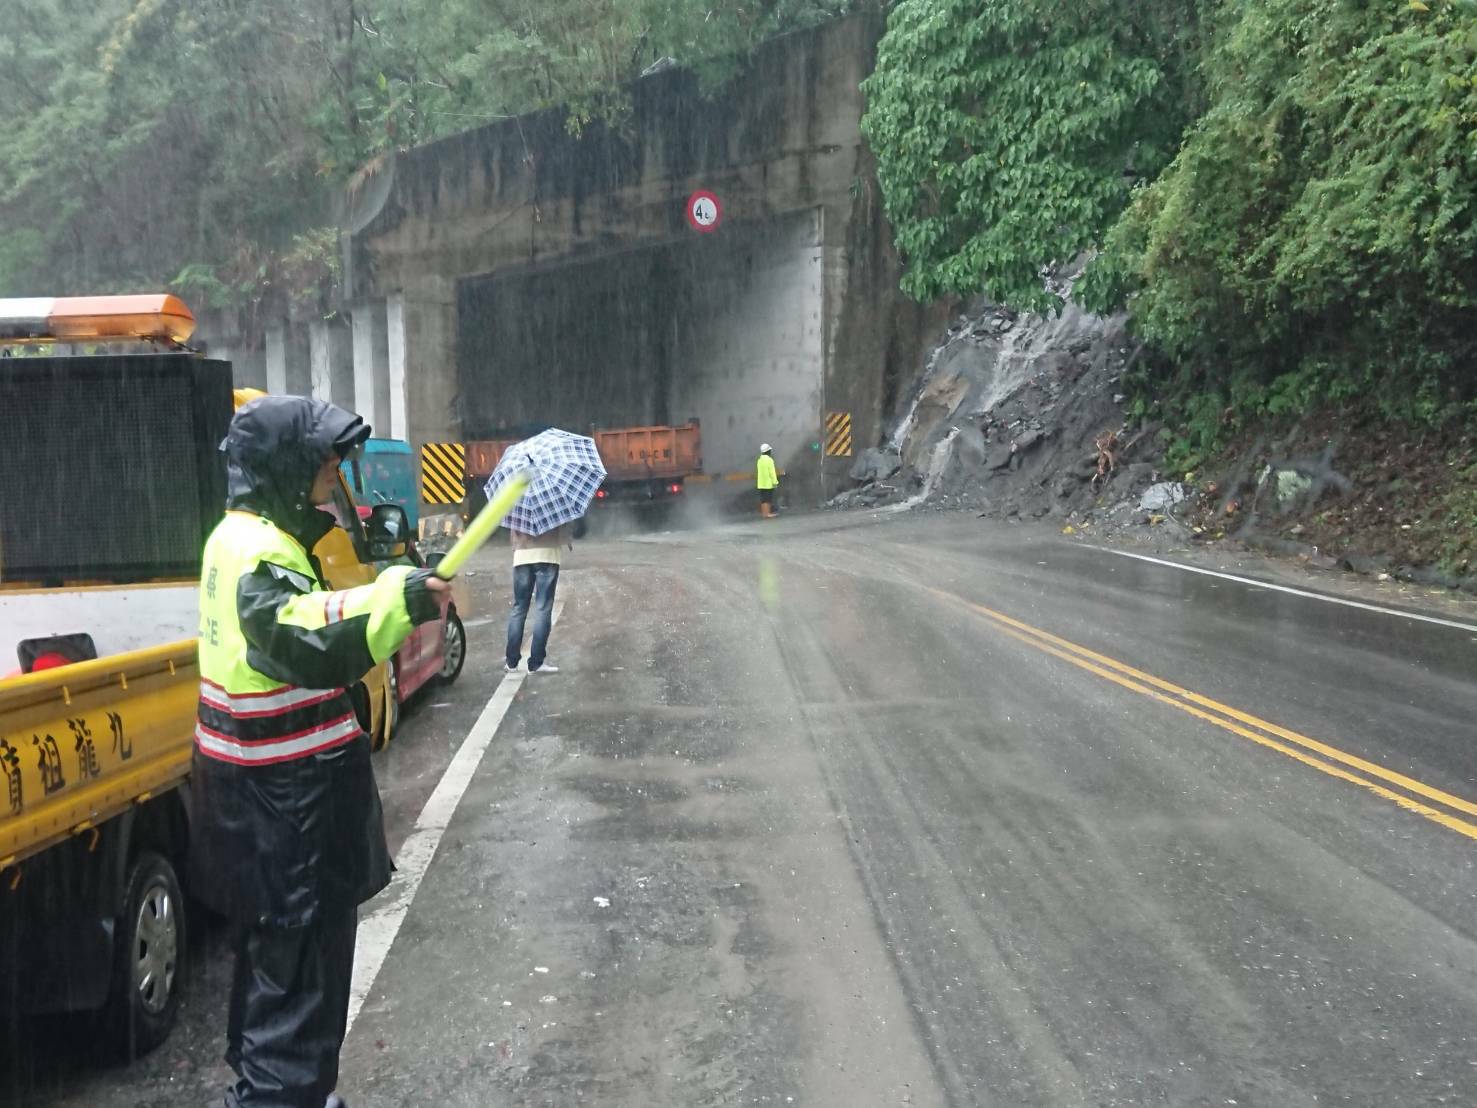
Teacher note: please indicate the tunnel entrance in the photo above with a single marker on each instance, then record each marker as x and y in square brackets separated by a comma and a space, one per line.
[726, 328]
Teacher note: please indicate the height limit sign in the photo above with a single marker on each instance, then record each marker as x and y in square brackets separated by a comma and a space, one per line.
[704, 212]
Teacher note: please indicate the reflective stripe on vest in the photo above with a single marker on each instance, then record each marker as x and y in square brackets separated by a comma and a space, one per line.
[257, 705]
[284, 748]
[246, 717]
[333, 607]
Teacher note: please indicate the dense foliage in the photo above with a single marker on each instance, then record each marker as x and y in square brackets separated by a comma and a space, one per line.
[1315, 238]
[1008, 133]
[200, 141]
[1304, 217]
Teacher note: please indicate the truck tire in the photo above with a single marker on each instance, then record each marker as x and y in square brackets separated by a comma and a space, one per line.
[144, 998]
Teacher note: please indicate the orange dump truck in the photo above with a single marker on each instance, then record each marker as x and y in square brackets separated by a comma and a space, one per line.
[641, 463]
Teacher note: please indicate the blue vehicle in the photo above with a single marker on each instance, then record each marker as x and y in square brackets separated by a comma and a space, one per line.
[385, 474]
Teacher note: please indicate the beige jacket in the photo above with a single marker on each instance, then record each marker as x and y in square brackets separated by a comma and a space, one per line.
[541, 548]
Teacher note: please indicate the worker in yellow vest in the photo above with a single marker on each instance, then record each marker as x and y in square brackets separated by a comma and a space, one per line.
[767, 480]
[287, 834]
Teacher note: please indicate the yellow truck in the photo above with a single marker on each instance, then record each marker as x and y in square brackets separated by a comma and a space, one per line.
[110, 480]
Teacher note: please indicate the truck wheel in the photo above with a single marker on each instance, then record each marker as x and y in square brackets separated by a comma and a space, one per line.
[453, 648]
[145, 995]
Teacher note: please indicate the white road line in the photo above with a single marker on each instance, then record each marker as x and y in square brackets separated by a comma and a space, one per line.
[1471, 628]
[378, 929]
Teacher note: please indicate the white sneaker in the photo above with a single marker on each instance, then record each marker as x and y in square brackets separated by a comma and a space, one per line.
[547, 667]
[509, 669]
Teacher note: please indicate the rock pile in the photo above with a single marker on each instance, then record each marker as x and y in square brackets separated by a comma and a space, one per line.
[1008, 420]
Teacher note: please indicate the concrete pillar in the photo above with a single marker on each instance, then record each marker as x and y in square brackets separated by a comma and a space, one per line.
[332, 360]
[423, 375]
[362, 323]
[276, 360]
[287, 360]
[372, 365]
[428, 313]
[318, 366]
[399, 399]
[299, 361]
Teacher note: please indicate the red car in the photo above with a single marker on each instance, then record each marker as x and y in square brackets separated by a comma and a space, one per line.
[434, 653]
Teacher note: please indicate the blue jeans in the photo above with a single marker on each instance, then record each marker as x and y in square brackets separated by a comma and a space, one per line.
[532, 583]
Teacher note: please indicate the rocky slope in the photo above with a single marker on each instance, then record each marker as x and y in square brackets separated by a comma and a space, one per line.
[1022, 416]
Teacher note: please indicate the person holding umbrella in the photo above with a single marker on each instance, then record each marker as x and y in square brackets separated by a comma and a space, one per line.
[566, 472]
[536, 560]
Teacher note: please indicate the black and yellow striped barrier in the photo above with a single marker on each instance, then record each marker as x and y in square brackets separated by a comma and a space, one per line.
[838, 434]
[443, 465]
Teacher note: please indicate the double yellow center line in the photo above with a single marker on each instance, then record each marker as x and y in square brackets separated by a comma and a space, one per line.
[1412, 795]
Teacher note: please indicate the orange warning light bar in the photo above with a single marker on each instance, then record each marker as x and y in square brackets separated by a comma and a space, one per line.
[154, 318]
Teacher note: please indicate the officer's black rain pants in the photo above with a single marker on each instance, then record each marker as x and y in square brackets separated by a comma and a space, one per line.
[289, 1010]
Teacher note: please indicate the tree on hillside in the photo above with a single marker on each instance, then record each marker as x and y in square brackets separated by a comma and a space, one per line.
[1315, 238]
[1008, 132]
[157, 133]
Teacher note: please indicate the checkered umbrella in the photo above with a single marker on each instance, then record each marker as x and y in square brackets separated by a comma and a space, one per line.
[566, 472]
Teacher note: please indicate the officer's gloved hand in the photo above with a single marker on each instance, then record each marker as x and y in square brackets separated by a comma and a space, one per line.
[420, 600]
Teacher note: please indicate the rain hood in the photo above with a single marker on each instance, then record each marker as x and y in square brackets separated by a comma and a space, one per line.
[274, 449]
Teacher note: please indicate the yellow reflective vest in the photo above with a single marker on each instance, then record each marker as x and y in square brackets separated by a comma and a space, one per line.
[278, 651]
[767, 478]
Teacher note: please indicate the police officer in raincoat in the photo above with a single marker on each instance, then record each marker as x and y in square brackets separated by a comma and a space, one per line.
[287, 833]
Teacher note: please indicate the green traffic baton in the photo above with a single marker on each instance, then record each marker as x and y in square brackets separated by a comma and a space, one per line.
[481, 528]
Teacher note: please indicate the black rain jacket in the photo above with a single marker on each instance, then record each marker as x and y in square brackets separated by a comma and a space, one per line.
[275, 844]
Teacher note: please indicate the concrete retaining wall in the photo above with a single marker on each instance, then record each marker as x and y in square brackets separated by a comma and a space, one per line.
[724, 329]
[592, 300]
[521, 273]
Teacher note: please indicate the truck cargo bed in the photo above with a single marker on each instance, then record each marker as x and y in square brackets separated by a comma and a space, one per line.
[80, 744]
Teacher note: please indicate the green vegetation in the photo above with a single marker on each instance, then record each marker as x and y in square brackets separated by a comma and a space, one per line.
[1304, 222]
[1458, 516]
[1314, 239]
[201, 141]
[1008, 132]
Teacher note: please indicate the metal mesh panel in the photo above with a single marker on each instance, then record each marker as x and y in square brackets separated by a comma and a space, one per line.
[106, 470]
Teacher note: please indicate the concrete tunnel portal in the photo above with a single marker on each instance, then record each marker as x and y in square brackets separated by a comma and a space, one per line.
[523, 274]
[725, 328]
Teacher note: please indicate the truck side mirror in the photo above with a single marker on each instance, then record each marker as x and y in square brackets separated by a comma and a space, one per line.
[388, 532]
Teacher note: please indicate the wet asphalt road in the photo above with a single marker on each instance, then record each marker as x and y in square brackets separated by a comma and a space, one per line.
[929, 811]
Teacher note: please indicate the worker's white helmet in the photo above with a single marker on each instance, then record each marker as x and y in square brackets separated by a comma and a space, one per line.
[764, 448]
